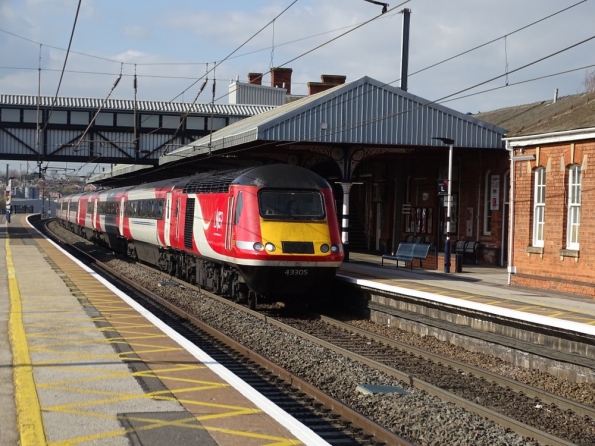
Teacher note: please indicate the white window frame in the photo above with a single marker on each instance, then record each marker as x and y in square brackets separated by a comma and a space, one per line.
[538, 207]
[487, 213]
[573, 215]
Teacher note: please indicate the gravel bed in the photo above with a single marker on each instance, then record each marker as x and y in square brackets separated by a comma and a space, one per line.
[580, 392]
[417, 416]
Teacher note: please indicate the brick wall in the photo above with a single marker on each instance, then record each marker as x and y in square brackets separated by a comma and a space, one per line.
[552, 267]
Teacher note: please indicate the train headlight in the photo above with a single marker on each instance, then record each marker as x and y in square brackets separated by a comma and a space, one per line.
[270, 247]
[258, 246]
[324, 248]
[335, 248]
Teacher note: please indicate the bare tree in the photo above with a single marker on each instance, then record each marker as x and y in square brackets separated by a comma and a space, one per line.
[589, 82]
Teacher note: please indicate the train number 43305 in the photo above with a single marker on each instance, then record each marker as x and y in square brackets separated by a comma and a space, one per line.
[296, 272]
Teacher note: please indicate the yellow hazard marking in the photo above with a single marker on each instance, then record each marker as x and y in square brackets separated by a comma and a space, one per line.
[29, 421]
[186, 423]
[123, 325]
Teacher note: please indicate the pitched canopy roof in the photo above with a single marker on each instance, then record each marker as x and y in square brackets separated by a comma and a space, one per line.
[365, 111]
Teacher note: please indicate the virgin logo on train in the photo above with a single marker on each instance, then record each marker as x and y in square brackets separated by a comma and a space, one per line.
[218, 220]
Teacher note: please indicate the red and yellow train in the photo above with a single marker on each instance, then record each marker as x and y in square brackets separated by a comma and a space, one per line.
[268, 231]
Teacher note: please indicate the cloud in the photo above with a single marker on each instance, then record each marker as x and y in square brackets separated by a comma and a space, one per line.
[136, 32]
[184, 34]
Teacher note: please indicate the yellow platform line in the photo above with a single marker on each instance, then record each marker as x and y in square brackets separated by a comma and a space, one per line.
[29, 421]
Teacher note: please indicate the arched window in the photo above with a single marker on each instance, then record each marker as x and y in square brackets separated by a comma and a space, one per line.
[538, 207]
[574, 207]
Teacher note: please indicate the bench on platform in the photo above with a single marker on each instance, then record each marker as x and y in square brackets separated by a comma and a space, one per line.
[407, 252]
[467, 247]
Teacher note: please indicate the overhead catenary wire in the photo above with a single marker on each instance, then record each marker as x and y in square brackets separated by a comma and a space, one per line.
[518, 83]
[452, 57]
[530, 25]
[220, 62]
[309, 138]
[303, 54]
[82, 137]
[80, 53]
[494, 40]
[64, 66]
[206, 74]
[237, 49]
[326, 43]
[367, 122]
[260, 50]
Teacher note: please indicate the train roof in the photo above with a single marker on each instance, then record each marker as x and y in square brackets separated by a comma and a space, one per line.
[282, 176]
[273, 175]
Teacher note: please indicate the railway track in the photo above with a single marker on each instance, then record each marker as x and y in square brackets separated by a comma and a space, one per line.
[528, 411]
[330, 419]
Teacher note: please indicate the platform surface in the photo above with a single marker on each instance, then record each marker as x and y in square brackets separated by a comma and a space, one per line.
[81, 365]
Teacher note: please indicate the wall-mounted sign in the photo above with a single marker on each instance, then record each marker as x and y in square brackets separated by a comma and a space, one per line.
[469, 223]
[495, 193]
[442, 187]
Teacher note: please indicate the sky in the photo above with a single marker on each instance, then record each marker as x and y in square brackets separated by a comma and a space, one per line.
[171, 44]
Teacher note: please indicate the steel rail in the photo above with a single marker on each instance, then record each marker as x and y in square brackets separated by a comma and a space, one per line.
[502, 420]
[520, 428]
[378, 432]
[517, 386]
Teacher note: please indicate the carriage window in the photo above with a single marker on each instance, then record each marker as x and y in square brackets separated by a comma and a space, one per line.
[151, 208]
[107, 208]
[291, 205]
[90, 207]
[74, 206]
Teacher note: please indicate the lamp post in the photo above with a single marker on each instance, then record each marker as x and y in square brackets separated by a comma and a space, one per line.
[450, 143]
[8, 197]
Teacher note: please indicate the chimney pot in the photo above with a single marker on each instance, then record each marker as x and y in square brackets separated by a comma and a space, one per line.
[281, 78]
[255, 78]
[333, 79]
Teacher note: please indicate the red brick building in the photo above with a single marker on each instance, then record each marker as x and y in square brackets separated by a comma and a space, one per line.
[552, 149]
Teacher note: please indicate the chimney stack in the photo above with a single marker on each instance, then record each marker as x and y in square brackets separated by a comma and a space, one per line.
[328, 81]
[255, 78]
[281, 78]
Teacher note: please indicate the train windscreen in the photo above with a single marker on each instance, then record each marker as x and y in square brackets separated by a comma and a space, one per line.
[291, 205]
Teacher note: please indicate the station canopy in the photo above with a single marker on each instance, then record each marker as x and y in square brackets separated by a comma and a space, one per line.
[364, 113]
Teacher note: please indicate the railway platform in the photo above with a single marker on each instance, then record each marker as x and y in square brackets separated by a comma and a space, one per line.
[479, 288]
[81, 364]
[477, 310]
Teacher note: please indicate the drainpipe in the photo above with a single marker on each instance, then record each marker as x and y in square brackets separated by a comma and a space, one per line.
[479, 183]
[511, 269]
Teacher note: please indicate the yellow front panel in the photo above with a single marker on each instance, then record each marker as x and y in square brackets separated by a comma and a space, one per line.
[295, 231]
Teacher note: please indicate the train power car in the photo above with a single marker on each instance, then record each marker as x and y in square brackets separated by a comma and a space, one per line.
[268, 231]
